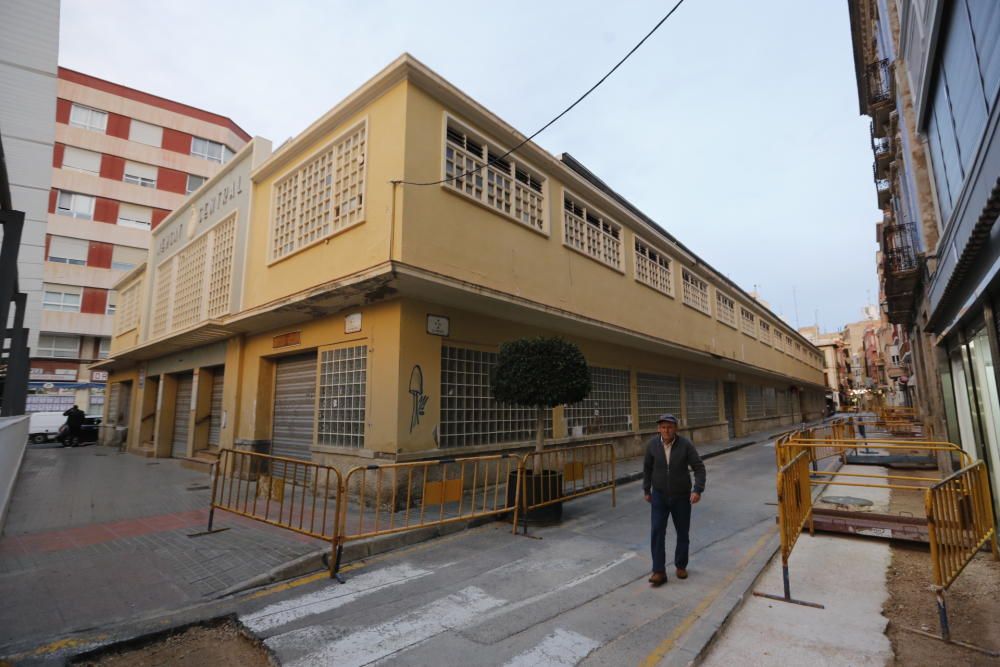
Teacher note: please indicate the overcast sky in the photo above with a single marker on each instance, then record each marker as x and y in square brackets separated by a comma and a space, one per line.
[735, 126]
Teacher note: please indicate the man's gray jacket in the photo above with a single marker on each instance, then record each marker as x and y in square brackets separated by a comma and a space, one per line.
[672, 479]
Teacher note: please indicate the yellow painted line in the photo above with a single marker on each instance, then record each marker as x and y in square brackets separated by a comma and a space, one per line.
[58, 645]
[660, 651]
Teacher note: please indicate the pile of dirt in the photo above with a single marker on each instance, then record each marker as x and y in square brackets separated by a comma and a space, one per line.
[222, 644]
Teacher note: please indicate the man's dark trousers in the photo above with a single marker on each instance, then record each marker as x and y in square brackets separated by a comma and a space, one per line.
[664, 506]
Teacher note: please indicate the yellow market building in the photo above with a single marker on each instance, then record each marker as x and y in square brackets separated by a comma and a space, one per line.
[312, 302]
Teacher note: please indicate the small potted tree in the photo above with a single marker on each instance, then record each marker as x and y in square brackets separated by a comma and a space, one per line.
[540, 373]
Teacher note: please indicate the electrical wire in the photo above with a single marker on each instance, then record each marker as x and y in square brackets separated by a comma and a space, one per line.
[494, 160]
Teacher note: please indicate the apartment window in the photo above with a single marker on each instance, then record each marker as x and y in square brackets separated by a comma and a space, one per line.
[145, 133]
[136, 217]
[322, 197]
[62, 298]
[77, 159]
[696, 292]
[653, 268]
[748, 322]
[104, 348]
[125, 258]
[65, 250]
[608, 408]
[702, 400]
[765, 332]
[469, 413]
[210, 150]
[87, 118]
[140, 174]
[75, 205]
[725, 309]
[194, 182]
[591, 233]
[59, 347]
[754, 401]
[474, 167]
[343, 381]
[657, 394]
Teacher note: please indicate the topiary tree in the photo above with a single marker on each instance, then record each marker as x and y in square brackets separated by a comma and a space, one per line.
[541, 373]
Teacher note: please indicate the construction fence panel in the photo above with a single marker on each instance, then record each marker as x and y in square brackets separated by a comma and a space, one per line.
[794, 501]
[557, 475]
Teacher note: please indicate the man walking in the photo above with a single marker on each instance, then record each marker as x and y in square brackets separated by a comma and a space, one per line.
[74, 420]
[666, 484]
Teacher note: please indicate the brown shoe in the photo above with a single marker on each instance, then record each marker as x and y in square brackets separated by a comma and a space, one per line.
[658, 579]
[682, 573]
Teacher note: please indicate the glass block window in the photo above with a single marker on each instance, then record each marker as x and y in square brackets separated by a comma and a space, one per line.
[748, 322]
[657, 394]
[784, 402]
[765, 332]
[474, 167]
[702, 400]
[754, 401]
[322, 197]
[59, 347]
[221, 270]
[725, 309]
[189, 283]
[653, 268]
[608, 409]
[343, 383]
[770, 402]
[469, 413]
[696, 292]
[591, 233]
[87, 118]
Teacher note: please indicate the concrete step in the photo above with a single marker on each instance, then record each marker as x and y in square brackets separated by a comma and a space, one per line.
[202, 460]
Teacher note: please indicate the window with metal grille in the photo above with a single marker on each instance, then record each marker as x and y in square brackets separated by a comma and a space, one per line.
[770, 402]
[473, 167]
[591, 233]
[725, 309]
[765, 332]
[748, 322]
[754, 401]
[343, 382]
[608, 408]
[658, 394]
[322, 197]
[469, 413]
[653, 268]
[702, 400]
[696, 292]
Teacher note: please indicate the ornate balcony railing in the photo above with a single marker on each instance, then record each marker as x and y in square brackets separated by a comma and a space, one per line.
[898, 248]
[878, 76]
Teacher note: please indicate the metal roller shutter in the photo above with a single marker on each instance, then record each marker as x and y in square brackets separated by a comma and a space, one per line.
[294, 409]
[182, 412]
[215, 416]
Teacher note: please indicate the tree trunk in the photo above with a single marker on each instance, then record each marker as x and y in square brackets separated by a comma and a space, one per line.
[539, 428]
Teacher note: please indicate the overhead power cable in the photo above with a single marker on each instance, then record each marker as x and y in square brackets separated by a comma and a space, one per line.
[493, 160]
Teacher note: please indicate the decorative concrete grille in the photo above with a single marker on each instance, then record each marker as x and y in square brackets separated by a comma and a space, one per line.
[221, 272]
[608, 409]
[653, 268]
[591, 233]
[702, 400]
[770, 402]
[322, 197]
[474, 168]
[162, 299]
[754, 401]
[190, 283]
[469, 413]
[725, 309]
[657, 394]
[696, 292]
[127, 314]
[343, 382]
[765, 332]
[748, 322]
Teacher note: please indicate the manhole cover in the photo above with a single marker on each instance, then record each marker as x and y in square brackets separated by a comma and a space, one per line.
[846, 500]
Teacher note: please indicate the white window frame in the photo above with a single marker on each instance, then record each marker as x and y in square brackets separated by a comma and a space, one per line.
[138, 179]
[653, 267]
[748, 322]
[206, 151]
[514, 194]
[103, 347]
[187, 187]
[88, 118]
[600, 237]
[696, 291]
[134, 223]
[725, 309]
[48, 347]
[74, 209]
[75, 261]
[765, 331]
[59, 301]
[68, 152]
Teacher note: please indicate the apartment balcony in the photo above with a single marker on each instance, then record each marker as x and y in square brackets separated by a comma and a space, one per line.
[881, 91]
[884, 151]
[900, 271]
[883, 186]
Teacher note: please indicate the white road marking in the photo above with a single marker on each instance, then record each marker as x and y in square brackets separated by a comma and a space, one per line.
[562, 648]
[333, 596]
[380, 641]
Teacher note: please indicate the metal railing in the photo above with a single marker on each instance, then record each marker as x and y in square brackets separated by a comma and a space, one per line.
[898, 247]
[558, 475]
[878, 76]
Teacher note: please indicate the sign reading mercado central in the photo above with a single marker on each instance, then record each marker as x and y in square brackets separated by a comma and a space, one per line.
[203, 211]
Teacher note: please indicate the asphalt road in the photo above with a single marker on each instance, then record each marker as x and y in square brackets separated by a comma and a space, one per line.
[571, 594]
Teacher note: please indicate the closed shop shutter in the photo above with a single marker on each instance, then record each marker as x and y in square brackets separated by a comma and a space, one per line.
[215, 416]
[182, 412]
[294, 409]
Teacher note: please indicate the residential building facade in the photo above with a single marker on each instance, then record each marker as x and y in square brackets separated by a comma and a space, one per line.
[831, 346]
[929, 74]
[122, 160]
[346, 300]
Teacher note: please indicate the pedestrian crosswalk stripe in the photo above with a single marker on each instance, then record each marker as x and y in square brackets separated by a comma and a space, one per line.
[562, 648]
